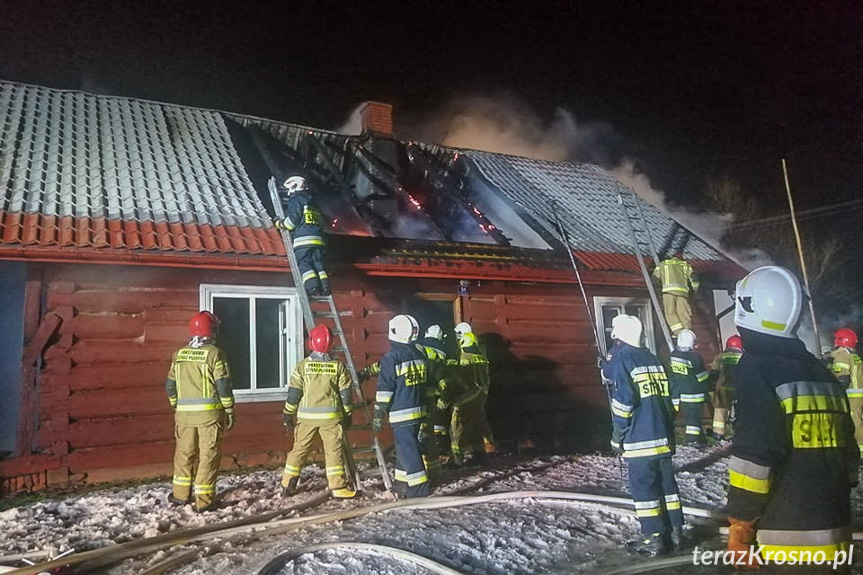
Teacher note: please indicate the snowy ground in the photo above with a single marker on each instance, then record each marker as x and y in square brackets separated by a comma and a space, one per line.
[532, 535]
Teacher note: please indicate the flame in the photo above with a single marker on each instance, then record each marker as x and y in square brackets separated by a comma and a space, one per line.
[335, 223]
[415, 202]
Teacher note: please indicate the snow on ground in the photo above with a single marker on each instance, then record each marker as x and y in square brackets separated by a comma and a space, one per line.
[531, 535]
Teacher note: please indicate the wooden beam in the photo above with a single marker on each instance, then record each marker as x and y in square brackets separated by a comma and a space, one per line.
[28, 406]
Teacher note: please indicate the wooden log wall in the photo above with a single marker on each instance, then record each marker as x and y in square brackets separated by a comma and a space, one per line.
[102, 412]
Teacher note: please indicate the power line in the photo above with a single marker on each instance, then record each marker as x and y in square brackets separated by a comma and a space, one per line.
[851, 205]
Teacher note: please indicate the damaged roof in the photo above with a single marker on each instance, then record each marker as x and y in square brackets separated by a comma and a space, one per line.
[110, 175]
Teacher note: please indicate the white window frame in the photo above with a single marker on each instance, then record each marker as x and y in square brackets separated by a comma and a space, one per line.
[290, 334]
[621, 302]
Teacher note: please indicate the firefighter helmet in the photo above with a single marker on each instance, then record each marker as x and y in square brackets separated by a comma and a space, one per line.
[204, 324]
[403, 328]
[769, 300]
[686, 340]
[467, 340]
[734, 342]
[845, 337]
[462, 329]
[295, 184]
[627, 328]
[435, 332]
[320, 339]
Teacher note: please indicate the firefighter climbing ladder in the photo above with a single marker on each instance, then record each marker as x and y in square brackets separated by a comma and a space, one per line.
[642, 244]
[309, 316]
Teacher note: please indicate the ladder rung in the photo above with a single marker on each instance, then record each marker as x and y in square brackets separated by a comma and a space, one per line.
[323, 313]
[359, 427]
[365, 449]
[371, 471]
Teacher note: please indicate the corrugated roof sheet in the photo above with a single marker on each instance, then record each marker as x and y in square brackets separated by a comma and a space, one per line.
[587, 198]
[97, 171]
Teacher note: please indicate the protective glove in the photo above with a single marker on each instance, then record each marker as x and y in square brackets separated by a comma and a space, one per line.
[281, 224]
[617, 440]
[347, 421]
[600, 362]
[363, 374]
[421, 437]
[288, 421]
[378, 420]
[230, 422]
[741, 535]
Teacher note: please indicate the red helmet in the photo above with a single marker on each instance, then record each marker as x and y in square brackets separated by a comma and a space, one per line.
[734, 342]
[204, 324]
[845, 337]
[320, 339]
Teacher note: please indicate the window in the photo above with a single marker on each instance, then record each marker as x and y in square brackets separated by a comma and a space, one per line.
[262, 335]
[607, 308]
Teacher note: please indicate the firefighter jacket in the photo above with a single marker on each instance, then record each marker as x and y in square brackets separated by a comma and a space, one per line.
[677, 276]
[794, 457]
[477, 367]
[199, 382]
[848, 369]
[457, 385]
[688, 378]
[303, 219]
[402, 385]
[642, 412]
[319, 390]
[724, 367]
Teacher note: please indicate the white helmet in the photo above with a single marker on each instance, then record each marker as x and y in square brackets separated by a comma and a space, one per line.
[769, 300]
[404, 329]
[627, 328]
[435, 331]
[295, 184]
[686, 340]
[462, 329]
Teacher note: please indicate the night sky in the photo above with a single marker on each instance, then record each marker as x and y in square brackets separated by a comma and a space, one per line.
[691, 90]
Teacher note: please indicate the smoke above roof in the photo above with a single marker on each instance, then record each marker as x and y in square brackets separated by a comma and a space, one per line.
[507, 125]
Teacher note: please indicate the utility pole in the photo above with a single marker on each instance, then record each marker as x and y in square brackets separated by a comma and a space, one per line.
[802, 259]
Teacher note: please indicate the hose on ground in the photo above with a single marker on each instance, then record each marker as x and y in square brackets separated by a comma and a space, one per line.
[278, 562]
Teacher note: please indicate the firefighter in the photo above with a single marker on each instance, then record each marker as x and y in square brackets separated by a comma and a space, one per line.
[793, 455]
[200, 391]
[319, 400]
[303, 219]
[643, 431]
[678, 279]
[433, 347]
[722, 370]
[473, 370]
[478, 356]
[848, 369]
[401, 394]
[689, 385]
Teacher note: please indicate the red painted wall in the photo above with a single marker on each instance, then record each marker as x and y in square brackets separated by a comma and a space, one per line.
[101, 406]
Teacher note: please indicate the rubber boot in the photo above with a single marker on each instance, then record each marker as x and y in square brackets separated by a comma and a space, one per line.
[344, 493]
[291, 487]
[679, 540]
[648, 545]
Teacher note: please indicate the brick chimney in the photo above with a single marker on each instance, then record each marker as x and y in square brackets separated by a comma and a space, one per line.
[377, 117]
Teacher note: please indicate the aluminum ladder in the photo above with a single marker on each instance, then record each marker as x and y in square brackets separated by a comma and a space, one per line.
[642, 243]
[331, 312]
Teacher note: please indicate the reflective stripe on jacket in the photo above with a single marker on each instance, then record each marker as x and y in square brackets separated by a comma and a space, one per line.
[402, 384]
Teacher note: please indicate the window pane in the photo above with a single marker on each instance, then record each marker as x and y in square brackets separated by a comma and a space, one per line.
[234, 337]
[267, 338]
[636, 310]
[609, 312]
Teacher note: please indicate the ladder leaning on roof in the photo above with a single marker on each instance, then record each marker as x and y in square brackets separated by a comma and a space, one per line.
[642, 244]
[332, 313]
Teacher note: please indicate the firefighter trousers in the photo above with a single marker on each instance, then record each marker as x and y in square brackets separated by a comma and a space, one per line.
[443, 418]
[724, 397]
[693, 419]
[310, 263]
[857, 418]
[410, 474]
[485, 428]
[655, 494]
[197, 442]
[331, 433]
[430, 453]
[467, 427]
[678, 314]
